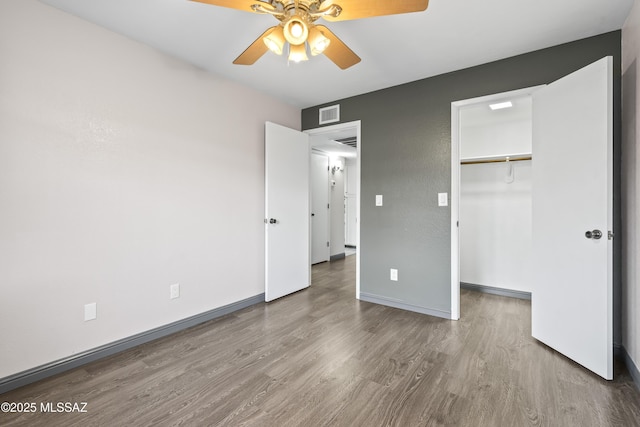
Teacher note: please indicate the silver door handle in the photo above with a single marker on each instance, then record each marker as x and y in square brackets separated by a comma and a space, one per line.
[595, 234]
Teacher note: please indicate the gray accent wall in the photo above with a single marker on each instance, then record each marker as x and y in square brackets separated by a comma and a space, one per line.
[406, 157]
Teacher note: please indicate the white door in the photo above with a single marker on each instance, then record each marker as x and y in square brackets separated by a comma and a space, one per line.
[287, 266]
[572, 202]
[319, 208]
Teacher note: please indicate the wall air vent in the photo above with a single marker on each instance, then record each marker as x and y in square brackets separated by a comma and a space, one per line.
[351, 141]
[329, 114]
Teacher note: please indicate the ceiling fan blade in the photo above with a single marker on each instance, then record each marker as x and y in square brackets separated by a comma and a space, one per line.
[235, 4]
[254, 51]
[356, 9]
[337, 51]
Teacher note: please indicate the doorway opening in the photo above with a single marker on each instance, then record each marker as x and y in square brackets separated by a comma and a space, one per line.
[335, 195]
[491, 158]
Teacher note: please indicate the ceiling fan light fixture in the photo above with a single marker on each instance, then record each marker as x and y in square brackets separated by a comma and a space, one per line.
[264, 8]
[298, 52]
[332, 10]
[275, 41]
[296, 31]
[317, 41]
[297, 25]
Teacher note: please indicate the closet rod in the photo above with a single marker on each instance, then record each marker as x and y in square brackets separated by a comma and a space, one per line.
[510, 159]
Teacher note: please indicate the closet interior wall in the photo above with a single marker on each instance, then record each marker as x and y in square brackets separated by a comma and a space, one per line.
[495, 196]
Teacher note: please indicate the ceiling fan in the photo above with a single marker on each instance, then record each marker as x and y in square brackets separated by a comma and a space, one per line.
[298, 28]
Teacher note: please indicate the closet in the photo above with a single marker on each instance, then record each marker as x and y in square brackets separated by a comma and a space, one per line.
[495, 196]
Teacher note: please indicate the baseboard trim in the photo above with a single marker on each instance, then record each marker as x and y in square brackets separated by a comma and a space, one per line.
[496, 291]
[44, 371]
[337, 257]
[631, 366]
[377, 299]
[618, 352]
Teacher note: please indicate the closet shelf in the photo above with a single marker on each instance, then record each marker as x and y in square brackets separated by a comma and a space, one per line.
[496, 159]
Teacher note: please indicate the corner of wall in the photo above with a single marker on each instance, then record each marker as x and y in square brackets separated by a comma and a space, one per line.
[630, 190]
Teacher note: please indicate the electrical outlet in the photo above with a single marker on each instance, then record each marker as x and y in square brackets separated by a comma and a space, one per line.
[393, 274]
[378, 199]
[174, 291]
[90, 311]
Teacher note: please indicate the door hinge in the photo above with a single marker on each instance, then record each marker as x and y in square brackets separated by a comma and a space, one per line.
[610, 234]
[327, 244]
[327, 205]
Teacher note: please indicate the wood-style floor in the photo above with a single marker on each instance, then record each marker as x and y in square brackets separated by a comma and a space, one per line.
[320, 357]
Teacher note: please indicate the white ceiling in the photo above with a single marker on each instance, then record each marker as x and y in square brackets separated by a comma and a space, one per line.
[333, 148]
[326, 142]
[449, 35]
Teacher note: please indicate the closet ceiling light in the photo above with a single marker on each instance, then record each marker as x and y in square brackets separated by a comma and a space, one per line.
[501, 105]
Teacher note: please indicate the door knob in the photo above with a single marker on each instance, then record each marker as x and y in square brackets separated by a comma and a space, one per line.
[273, 221]
[595, 234]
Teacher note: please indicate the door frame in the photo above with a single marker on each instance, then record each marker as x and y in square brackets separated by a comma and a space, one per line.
[456, 106]
[341, 126]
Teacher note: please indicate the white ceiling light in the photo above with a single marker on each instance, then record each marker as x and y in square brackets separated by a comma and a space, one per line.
[501, 105]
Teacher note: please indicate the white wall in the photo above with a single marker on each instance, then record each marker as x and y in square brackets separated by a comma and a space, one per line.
[482, 140]
[495, 216]
[485, 133]
[495, 226]
[337, 208]
[631, 184]
[351, 186]
[122, 171]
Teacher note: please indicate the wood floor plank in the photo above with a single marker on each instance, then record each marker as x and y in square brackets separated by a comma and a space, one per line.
[320, 357]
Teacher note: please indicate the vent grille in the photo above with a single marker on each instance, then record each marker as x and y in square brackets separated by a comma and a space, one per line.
[351, 141]
[329, 114]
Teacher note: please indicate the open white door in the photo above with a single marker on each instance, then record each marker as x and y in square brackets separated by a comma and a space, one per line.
[572, 205]
[319, 208]
[287, 266]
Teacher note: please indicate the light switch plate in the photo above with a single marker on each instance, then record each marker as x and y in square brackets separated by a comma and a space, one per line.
[393, 274]
[378, 199]
[443, 199]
